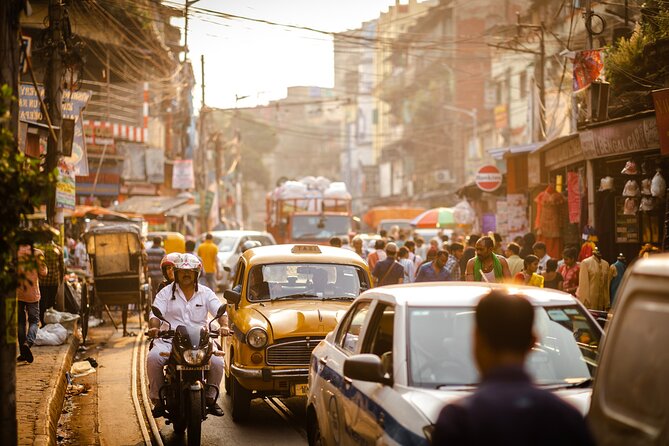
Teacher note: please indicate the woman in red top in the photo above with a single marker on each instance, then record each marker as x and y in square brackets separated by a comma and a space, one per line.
[569, 271]
[530, 265]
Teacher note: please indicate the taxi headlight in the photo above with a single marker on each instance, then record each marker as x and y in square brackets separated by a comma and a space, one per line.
[194, 357]
[256, 337]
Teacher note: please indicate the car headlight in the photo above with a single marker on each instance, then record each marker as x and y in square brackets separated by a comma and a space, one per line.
[256, 337]
[194, 357]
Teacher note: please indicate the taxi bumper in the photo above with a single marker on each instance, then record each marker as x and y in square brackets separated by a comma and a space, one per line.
[268, 374]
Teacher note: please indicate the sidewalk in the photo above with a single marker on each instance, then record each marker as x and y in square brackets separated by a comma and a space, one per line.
[40, 390]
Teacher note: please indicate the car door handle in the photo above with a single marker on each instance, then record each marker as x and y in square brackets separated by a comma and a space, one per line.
[323, 361]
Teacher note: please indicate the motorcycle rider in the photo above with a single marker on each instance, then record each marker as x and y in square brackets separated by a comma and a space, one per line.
[167, 267]
[184, 302]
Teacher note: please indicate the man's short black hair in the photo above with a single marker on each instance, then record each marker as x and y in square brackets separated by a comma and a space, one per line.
[455, 247]
[442, 252]
[514, 248]
[570, 253]
[488, 242]
[336, 242]
[209, 236]
[383, 233]
[539, 245]
[505, 321]
[190, 245]
[472, 239]
[157, 240]
[410, 244]
[379, 244]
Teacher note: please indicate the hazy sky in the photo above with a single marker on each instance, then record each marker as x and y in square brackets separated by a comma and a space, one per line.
[259, 60]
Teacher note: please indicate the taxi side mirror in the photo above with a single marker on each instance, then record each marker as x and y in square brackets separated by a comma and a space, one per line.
[232, 297]
[366, 367]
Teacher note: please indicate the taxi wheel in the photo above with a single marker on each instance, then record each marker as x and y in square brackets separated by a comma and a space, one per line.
[314, 432]
[241, 401]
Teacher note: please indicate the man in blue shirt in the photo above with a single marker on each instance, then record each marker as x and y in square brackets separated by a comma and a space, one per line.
[436, 270]
[507, 408]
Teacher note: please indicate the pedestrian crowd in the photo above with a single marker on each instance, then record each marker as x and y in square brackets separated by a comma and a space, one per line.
[403, 256]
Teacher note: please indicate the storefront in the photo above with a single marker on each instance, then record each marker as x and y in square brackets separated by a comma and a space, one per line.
[557, 171]
[628, 180]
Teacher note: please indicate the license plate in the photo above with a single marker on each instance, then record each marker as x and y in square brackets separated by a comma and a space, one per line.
[301, 389]
[186, 367]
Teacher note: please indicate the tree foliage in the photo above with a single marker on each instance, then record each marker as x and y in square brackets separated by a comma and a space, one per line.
[23, 187]
[637, 63]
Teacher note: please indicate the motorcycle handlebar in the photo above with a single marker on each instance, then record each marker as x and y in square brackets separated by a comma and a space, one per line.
[163, 334]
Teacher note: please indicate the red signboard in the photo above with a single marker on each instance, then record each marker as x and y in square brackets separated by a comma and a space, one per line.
[661, 100]
[488, 178]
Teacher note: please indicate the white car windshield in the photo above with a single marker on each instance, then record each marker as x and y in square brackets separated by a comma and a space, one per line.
[441, 351]
[225, 244]
[305, 281]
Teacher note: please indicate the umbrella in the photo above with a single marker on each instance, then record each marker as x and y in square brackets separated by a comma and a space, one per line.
[435, 218]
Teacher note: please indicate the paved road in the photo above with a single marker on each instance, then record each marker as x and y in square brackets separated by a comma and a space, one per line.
[265, 426]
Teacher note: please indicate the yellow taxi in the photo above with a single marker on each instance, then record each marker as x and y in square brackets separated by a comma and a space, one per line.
[285, 299]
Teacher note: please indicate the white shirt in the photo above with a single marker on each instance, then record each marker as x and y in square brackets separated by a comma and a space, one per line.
[409, 270]
[179, 311]
[542, 263]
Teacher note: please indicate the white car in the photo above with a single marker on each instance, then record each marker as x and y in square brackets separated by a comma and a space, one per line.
[403, 352]
[229, 244]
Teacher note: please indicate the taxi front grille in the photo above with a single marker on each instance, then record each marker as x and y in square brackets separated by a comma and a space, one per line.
[292, 353]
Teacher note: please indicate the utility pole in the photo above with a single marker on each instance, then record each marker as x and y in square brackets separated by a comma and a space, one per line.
[202, 155]
[53, 96]
[10, 41]
[188, 5]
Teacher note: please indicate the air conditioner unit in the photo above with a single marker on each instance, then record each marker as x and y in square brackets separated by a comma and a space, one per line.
[443, 176]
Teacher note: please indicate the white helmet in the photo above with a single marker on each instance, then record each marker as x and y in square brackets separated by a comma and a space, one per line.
[188, 261]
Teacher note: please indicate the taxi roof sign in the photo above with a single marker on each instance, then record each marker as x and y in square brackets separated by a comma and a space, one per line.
[306, 249]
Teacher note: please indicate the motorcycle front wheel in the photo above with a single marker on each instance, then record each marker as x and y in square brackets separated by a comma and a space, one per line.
[195, 408]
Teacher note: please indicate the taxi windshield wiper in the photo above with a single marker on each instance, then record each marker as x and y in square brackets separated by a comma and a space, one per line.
[294, 296]
[339, 298]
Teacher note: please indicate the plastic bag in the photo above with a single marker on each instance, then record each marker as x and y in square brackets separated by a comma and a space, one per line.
[658, 186]
[81, 368]
[51, 334]
[631, 189]
[52, 316]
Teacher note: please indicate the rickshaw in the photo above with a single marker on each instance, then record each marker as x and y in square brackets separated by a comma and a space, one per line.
[118, 272]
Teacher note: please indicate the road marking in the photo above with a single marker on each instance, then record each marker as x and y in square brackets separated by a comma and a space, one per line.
[145, 393]
[133, 391]
[284, 412]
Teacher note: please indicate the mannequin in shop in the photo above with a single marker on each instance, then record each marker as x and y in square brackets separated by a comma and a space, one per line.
[550, 205]
[605, 213]
[594, 281]
[617, 271]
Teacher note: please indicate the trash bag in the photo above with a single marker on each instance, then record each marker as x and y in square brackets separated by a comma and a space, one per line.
[51, 334]
[52, 316]
[71, 303]
[81, 368]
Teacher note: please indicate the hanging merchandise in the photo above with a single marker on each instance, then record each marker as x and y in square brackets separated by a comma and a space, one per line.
[658, 186]
[606, 183]
[548, 220]
[573, 197]
[646, 204]
[631, 189]
[630, 206]
[645, 187]
[630, 168]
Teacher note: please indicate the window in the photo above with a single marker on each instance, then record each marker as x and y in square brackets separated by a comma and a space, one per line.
[379, 336]
[349, 334]
[239, 276]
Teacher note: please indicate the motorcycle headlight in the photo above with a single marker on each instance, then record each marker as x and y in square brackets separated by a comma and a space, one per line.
[194, 357]
[256, 338]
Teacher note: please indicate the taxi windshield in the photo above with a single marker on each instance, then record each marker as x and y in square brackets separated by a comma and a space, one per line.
[441, 351]
[305, 281]
[320, 227]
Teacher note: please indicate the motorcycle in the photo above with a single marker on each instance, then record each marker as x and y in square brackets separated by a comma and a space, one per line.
[183, 394]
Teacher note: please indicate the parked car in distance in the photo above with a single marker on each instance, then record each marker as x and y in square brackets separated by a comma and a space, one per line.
[285, 299]
[230, 248]
[403, 352]
[630, 400]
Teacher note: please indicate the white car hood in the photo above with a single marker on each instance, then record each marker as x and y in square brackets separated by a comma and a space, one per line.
[431, 401]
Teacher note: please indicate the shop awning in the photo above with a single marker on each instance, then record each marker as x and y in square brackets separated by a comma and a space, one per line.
[191, 210]
[499, 153]
[149, 205]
